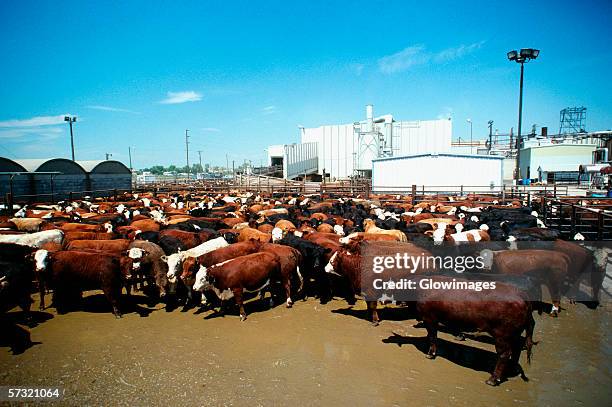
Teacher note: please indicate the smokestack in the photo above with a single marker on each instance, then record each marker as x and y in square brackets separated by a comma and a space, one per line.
[544, 131]
[370, 117]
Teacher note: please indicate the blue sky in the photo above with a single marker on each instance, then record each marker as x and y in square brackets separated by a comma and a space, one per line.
[244, 75]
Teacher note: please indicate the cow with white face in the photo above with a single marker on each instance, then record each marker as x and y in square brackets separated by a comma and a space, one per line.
[277, 234]
[136, 253]
[40, 258]
[175, 260]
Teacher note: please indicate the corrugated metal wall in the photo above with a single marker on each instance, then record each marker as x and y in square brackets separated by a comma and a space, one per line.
[556, 157]
[300, 159]
[338, 144]
[400, 173]
[425, 136]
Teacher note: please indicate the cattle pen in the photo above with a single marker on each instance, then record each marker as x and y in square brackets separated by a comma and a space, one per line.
[175, 343]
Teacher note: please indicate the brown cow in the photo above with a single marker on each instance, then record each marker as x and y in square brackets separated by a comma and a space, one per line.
[549, 267]
[286, 226]
[189, 239]
[250, 233]
[77, 235]
[265, 228]
[86, 227]
[357, 237]
[147, 225]
[370, 227]
[71, 272]
[148, 264]
[191, 265]
[116, 245]
[290, 260]
[250, 273]
[503, 312]
[348, 264]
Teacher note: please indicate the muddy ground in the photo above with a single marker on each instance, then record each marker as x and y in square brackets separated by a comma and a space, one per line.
[312, 354]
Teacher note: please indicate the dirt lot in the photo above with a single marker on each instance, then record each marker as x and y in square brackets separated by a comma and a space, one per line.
[312, 354]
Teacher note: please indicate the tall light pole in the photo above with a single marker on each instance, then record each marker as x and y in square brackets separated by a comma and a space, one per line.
[130, 154]
[525, 55]
[471, 138]
[200, 155]
[187, 147]
[70, 120]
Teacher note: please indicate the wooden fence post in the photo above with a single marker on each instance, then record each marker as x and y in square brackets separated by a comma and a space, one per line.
[413, 194]
[600, 225]
[9, 203]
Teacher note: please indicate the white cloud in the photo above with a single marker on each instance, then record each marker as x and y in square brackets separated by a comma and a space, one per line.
[111, 109]
[357, 68]
[181, 97]
[447, 113]
[404, 59]
[211, 129]
[34, 121]
[418, 55]
[269, 110]
[457, 52]
[39, 131]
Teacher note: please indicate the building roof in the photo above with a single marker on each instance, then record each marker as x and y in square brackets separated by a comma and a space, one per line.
[475, 156]
[104, 166]
[560, 145]
[62, 165]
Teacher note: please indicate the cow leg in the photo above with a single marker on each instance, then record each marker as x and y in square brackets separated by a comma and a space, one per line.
[287, 286]
[41, 291]
[238, 297]
[597, 277]
[503, 347]
[25, 303]
[324, 287]
[555, 292]
[432, 336]
[372, 305]
[516, 355]
[112, 294]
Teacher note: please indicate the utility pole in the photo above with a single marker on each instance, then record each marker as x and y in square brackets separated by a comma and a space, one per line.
[187, 148]
[471, 138]
[490, 134]
[200, 154]
[130, 154]
[226, 162]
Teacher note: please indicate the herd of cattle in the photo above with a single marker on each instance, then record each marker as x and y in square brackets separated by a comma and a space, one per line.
[206, 249]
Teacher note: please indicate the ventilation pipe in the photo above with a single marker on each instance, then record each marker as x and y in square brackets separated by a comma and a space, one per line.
[370, 118]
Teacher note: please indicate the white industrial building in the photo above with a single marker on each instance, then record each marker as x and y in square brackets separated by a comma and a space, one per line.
[398, 174]
[553, 163]
[346, 150]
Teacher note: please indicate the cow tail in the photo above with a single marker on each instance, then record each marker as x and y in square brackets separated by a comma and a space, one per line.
[297, 270]
[529, 336]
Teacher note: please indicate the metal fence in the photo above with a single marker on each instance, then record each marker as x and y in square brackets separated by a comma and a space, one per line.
[570, 216]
